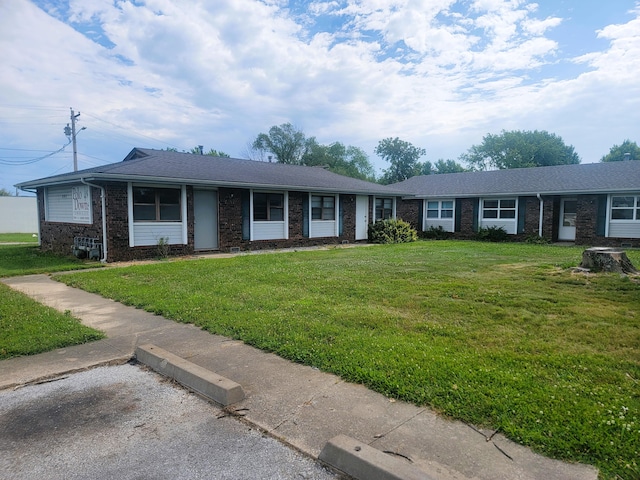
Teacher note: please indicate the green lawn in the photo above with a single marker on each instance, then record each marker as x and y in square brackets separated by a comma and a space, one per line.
[27, 327]
[18, 237]
[500, 335]
[27, 260]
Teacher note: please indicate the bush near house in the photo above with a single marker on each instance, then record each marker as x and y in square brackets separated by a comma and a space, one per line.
[392, 231]
[492, 234]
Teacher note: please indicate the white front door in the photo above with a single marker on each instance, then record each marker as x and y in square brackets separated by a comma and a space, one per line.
[205, 217]
[567, 227]
[362, 217]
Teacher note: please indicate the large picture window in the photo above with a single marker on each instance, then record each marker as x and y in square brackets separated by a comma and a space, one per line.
[502, 208]
[268, 207]
[323, 207]
[440, 209]
[156, 204]
[625, 208]
[384, 208]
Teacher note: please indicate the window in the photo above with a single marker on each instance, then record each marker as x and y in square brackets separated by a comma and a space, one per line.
[156, 204]
[440, 209]
[503, 208]
[323, 208]
[268, 207]
[625, 208]
[384, 208]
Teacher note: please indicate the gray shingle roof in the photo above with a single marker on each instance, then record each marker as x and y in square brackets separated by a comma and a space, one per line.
[163, 166]
[561, 179]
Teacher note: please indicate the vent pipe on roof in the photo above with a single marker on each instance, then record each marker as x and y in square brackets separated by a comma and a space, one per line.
[627, 156]
[269, 157]
[201, 149]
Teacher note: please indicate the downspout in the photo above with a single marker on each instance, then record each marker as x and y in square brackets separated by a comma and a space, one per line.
[540, 221]
[104, 219]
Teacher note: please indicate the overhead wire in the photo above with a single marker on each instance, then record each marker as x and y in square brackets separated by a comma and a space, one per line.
[4, 161]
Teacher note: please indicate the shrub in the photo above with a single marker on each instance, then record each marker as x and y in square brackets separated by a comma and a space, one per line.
[163, 247]
[392, 231]
[537, 239]
[492, 234]
[436, 233]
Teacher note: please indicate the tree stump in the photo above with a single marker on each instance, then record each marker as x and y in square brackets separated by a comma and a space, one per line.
[604, 259]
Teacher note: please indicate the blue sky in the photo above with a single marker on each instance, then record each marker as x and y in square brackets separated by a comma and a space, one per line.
[440, 74]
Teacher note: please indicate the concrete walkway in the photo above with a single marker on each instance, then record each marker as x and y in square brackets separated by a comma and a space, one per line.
[299, 405]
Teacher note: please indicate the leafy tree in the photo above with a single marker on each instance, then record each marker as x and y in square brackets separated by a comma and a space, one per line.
[212, 152]
[286, 142]
[448, 166]
[403, 158]
[5, 193]
[338, 158]
[618, 152]
[426, 168]
[519, 149]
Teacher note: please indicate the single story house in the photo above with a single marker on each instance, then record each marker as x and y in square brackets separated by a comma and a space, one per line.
[595, 204]
[192, 203]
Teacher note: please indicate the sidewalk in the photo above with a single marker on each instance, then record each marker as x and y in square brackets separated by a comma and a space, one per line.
[299, 405]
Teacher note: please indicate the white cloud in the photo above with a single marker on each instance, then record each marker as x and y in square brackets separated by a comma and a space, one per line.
[439, 74]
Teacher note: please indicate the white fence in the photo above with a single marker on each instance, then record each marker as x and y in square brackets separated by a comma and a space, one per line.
[18, 215]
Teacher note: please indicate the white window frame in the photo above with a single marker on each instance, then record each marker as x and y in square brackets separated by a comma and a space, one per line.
[623, 227]
[159, 227]
[256, 224]
[635, 209]
[447, 223]
[393, 207]
[335, 223]
[509, 224]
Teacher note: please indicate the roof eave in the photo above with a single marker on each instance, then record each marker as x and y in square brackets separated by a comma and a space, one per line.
[96, 177]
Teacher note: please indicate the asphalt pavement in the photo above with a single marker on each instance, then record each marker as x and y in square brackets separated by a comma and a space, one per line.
[124, 422]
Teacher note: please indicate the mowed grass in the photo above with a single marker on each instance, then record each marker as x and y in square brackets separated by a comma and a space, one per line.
[28, 260]
[27, 327]
[499, 335]
[18, 237]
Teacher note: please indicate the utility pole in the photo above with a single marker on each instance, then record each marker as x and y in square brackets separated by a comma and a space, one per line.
[73, 138]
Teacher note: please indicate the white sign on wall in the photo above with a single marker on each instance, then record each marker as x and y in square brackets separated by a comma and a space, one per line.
[81, 198]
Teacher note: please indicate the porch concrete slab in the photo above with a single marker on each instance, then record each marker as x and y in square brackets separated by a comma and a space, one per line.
[300, 405]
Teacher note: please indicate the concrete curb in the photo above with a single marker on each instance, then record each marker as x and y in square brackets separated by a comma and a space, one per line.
[363, 462]
[205, 382]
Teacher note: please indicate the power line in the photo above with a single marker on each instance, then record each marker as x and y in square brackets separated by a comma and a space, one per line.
[4, 161]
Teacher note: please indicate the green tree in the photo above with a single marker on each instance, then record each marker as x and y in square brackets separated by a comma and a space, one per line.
[286, 142]
[448, 166]
[338, 158]
[5, 193]
[520, 149]
[212, 152]
[402, 157]
[618, 152]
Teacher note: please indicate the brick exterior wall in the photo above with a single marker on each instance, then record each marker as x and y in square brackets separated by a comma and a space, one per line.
[58, 237]
[409, 211]
[230, 223]
[466, 218]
